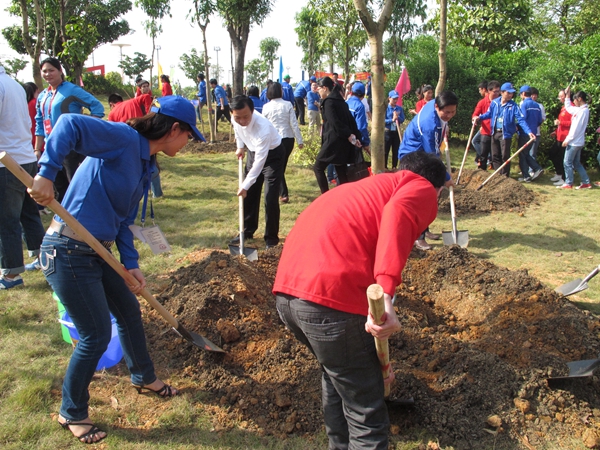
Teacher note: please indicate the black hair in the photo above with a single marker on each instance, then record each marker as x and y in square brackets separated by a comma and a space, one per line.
[527, 93]
[165, 79]
[446, 98]
[493, 85]
[426, 88]
[240, 102]
[201, 76]
[213, 81]
[327, 82]
[115, 98]
[253, 91]
[483, 85]
[428, 165]
[142, 81]
[54, 62]
[154, 126]
[30, 89]
[335, 73]
[534, 91]
[274, 91]
[581, 95]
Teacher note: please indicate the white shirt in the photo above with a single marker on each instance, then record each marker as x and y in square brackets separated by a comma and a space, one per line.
[15, 123]
[579, 122]
[281, 114]
[366, 105]
[259, 137]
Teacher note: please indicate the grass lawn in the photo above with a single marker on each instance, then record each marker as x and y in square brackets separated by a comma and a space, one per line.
[556, 241]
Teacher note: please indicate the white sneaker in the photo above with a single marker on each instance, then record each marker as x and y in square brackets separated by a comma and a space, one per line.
[560, 182]
[556, 178]
[536, 174]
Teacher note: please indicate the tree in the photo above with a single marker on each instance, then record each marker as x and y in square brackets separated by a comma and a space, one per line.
[192, 64]
[255, 72]
[238, 16]
[570, 21]
[13, 66]
[442, 49]
[155, 10]
[309, 30]
[268, 52]
[133, 67]
[375, 30]
[402, 26]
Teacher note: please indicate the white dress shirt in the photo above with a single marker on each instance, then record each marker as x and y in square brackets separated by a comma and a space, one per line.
[281, 114]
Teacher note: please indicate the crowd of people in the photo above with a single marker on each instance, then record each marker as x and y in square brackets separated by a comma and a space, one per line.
[102, 169]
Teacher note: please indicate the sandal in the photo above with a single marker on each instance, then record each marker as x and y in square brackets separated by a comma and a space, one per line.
[165, 392]
[86, 438]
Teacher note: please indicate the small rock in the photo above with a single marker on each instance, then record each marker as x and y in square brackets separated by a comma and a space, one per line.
[228, 331]
[527, 344]
[395, 430]
[534, 298]
[558, 254]
[282, 400]
[494, 421]
[522, 405]
[559, 417]
[590, 438]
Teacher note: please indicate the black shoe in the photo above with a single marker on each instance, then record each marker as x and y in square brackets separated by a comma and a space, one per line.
[236, 240]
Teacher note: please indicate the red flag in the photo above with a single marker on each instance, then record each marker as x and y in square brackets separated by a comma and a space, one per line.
[403, 85]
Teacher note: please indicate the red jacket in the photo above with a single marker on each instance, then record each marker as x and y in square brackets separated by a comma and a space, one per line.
[420, 104]
[166, 89]
[135, 107]
[482, 106]
[353, 236]
[564, 124]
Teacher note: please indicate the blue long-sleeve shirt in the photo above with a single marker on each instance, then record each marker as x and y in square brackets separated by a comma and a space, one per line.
[532, 113]
[311, 98]
[263, 96]
[505, 117]
[106, 190]
[202, 92]
[390, 124]
[302, 88]
[67, 98]
[258, 103]
[220, 94]
[287, 92]
[357, 109]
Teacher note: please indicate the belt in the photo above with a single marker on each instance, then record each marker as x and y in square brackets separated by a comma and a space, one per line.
[62, 229]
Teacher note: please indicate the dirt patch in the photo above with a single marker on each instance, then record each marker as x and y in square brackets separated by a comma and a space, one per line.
[477, 346]
[498, 194]
[222, 144]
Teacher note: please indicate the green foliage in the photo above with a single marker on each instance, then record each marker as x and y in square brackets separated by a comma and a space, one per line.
[192, 64]
[13, 66]
[402, 26]
[309, 29]
[255, 72]
[307, 155]
[133, 67]
[109, 84]
[268, 53]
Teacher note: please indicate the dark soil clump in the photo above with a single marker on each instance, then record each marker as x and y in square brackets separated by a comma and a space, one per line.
[477, 346]
[221, 145]
[498, 194]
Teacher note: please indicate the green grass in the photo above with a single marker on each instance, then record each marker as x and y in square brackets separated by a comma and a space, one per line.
[555, 241]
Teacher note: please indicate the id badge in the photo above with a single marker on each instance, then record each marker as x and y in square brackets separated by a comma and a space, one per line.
[153, 236]
[47, 126]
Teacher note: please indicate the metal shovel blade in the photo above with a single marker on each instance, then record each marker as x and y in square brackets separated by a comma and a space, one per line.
[462, 238]
[249, 252]
[579, 369]
[572, 287]
[197, 340]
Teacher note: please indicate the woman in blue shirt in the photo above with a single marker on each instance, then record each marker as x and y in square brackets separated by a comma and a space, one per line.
[104, 196]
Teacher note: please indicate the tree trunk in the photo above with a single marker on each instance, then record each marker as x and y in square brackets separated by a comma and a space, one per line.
[239, 39]
[211, 122]
[442, 51]
[34, 50]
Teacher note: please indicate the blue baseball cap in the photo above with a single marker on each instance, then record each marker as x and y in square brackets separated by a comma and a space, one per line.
[508, 87]
[358, 88]
[313, 78]
[178, 108]
[393, 94]
[525, 88]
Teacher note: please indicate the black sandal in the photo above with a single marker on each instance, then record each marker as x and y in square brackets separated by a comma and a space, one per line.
[165, 392]
[86, 438]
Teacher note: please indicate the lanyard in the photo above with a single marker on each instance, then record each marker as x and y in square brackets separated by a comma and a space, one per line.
[146, 191]
[53, 91]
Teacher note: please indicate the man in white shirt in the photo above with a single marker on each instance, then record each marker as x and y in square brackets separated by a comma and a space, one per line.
[19, 213]
[263, 166]
[575, 140]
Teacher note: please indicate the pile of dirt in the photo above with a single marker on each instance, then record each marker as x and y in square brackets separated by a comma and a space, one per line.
[221, 145]
[498, 194]
[477, 346]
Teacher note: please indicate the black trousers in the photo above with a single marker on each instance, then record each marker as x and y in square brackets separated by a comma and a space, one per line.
[65, 175]
[288, 145]
[270, 176]
[300, 108]
[391, 142]
[485, 150]
[501, 152]
[557, 156]
[319, 169]
[223, 112]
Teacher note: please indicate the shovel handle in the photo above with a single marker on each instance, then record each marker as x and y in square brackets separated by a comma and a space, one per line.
[505, 163]
[377, 311]
[465, 155]
[87, 237]
[591, 275]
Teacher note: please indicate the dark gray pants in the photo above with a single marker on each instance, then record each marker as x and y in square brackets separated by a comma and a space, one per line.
[356, 415]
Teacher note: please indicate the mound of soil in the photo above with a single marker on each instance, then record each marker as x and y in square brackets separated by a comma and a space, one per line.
[221, 145]
[477, 346]
[498, 194]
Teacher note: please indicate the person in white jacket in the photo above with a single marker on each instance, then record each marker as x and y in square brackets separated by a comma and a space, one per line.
[575, 140]
[281, 114]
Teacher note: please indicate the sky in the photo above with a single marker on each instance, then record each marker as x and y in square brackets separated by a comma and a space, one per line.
[179, 37]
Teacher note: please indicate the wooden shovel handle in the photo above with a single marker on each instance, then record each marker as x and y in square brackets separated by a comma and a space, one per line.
[87, 237]
[377, 310]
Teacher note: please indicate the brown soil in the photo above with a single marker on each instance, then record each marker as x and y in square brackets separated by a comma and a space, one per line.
[498, 194]
[222, 144]
[476, 349]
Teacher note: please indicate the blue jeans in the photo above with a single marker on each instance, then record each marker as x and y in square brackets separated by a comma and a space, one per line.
[19, 216]
[90, 289]
[573, 161]
[525, 159]
[354, 408]
[477, 143]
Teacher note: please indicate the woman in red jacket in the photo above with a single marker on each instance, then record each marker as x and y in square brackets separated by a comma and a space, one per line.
[166, 85]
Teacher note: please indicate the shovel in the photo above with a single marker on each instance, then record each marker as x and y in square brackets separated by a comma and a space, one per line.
[466, 152]
[454, 237]
[505, 163]
[579, 369]
[377, 310]
[248, 252]
[578, 285]
[107, 256]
